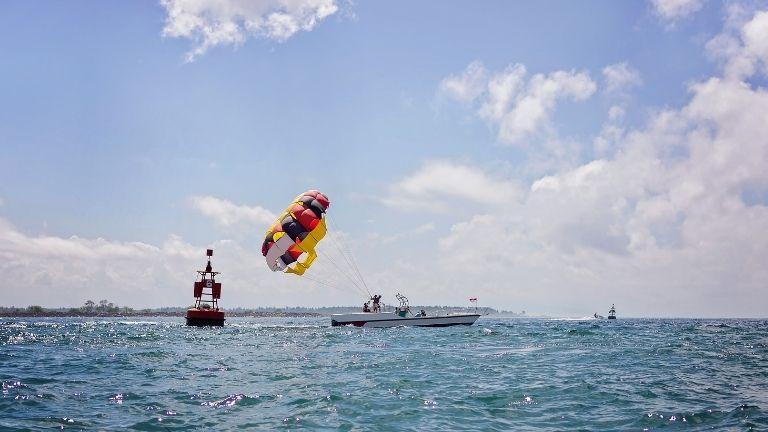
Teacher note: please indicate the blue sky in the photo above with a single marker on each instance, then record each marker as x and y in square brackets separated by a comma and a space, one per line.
[127, 151]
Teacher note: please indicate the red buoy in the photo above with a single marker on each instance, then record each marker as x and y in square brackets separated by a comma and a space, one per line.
[207, 294]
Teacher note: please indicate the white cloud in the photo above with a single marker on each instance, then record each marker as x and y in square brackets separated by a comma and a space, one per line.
[441, 185]
[502, 93]
[231, 216]
[660, 227]
[620, 77]
[671, 218]
[616, 113]
[611, 134]
[466, 86]
[519, 106]
[743, 45]
[230, 22]
[65, 271]
[73, 247]
[674, 10]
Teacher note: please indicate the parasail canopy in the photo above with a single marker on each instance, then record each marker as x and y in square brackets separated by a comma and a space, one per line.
[289, 245]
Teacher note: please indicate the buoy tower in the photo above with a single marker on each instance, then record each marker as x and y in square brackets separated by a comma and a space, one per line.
[207, 294]
[612, 312]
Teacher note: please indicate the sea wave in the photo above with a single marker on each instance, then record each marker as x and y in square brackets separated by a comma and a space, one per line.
[501, 374]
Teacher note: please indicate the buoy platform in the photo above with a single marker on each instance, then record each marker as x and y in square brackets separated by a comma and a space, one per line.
[204, 317]
[207, 294]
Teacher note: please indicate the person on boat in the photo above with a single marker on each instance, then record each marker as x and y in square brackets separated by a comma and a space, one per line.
[423, 313]
[376, 306]
[365, 307]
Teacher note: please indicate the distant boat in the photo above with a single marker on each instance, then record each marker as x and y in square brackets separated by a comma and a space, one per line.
[401, 316]
[612, 312]
[599, 316]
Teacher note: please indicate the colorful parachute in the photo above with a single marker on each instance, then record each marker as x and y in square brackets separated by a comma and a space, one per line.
[295, 233]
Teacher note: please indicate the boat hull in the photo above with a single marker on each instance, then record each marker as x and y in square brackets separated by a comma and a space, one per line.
[392, 320]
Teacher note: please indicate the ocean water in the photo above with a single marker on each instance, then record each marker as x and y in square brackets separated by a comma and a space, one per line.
[274, 373]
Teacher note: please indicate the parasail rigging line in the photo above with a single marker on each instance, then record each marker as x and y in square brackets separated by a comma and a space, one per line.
[355, 272]
[321, 282]
[340, 270]
[338, 267]
[342, 249]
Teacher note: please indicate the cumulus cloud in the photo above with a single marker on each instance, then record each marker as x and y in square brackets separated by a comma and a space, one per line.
[611, 133]
[620, 77]
[518, 105]
[743, 45]
[669, 218]
[230, 22]
[441, 185]
[674, 10]
[466, 86]
[230, 216]
[665, 215]
[660, 226]
[65, 271]
[60, 271]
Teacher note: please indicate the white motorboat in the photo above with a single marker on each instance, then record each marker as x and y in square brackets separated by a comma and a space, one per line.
[391, 319]
[401, 316]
